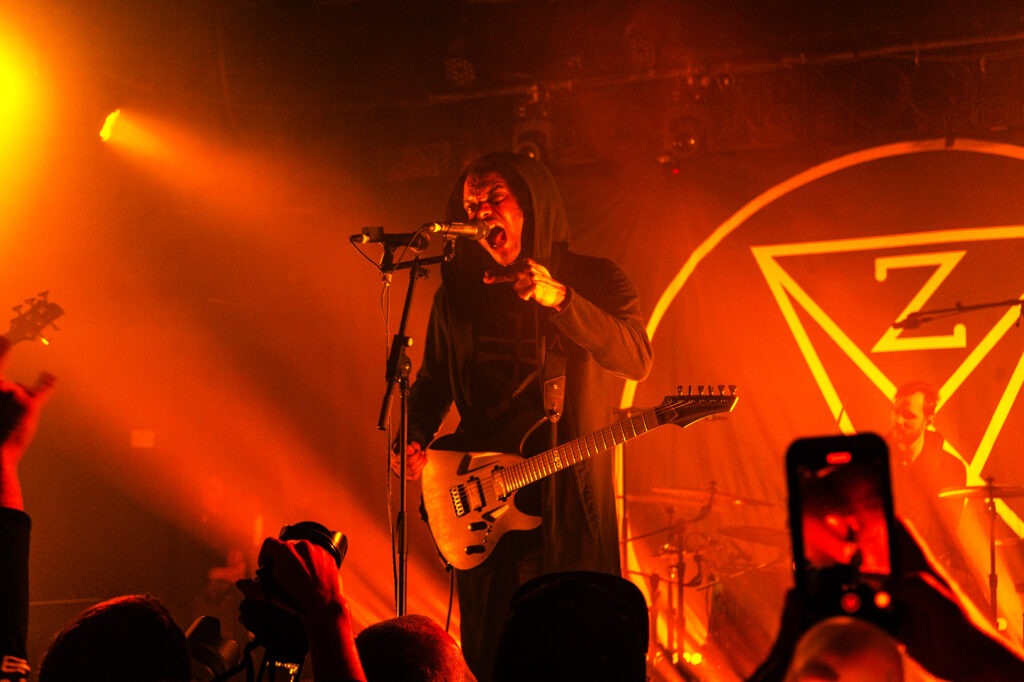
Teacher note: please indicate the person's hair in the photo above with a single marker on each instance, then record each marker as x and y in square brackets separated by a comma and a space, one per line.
[126, 639]
[410, 648]
[846, 642]
[578, 625]
[931, 396]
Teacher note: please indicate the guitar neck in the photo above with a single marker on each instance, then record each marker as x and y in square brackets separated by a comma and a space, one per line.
[549, 462]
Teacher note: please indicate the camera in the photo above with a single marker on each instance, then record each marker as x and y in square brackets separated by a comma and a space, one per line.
[279, 631]
[334, 542]
[842, 526]
[211, 653]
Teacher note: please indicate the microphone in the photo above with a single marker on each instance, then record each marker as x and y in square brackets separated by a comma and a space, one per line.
[416, 241]
[474, 229]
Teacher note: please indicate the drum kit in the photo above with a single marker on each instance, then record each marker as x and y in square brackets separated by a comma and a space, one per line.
[989, 494]
[699, 556]
[693, 557]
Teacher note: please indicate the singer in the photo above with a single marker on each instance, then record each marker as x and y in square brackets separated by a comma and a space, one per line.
[518, 312]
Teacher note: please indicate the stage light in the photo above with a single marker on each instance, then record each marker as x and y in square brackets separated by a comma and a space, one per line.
[682, 138]
[533, 144]
[108, 125]
[533, 130]
[459, 72]
[27, 108]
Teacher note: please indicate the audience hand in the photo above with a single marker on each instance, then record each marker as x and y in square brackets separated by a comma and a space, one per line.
[932, 622]
[306, 580]
[20, 408]
[940, 630]
[303, 579]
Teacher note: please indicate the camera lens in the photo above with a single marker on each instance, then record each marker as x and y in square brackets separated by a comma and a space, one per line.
[333, 541]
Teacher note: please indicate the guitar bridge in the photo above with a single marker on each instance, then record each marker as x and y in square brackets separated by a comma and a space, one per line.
[459, 501]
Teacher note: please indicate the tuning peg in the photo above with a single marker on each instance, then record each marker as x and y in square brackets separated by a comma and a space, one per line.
[732, 389]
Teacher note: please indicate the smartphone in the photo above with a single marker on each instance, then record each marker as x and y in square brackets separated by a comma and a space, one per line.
[842, 526]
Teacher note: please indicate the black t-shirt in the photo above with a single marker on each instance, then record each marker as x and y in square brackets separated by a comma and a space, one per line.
[503, 368]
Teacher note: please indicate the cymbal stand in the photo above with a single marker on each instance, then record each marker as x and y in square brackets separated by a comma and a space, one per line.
[677, 583]
[676, 611]
[993, 578]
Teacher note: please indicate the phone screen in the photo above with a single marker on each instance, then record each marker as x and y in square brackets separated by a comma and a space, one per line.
[841, 519]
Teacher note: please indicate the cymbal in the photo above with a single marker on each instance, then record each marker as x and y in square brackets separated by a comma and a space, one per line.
[984, 492]
[652, 499]
[699, 498]
[773, 537]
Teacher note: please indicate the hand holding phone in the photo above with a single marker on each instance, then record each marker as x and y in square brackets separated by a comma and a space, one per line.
[841, 523]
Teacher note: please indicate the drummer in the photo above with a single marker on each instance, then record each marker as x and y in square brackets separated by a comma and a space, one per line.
[921, 469]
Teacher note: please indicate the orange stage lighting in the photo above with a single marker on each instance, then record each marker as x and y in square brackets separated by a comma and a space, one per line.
[108, 125]
[25, 112]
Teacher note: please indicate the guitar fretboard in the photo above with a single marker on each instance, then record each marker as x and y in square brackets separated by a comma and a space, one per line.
[534, 468]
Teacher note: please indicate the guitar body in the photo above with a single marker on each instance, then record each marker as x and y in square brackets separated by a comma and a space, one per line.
[465, 515]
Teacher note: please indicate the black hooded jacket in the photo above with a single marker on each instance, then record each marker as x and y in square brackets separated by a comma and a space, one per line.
[599, 332]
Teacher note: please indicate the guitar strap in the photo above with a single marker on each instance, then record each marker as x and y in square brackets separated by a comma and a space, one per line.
[552, 368]
[550, 376]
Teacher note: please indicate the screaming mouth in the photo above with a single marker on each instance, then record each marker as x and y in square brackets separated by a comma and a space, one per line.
[497, 238]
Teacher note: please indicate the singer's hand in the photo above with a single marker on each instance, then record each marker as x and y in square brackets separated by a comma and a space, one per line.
[531, 281]
[415, 460]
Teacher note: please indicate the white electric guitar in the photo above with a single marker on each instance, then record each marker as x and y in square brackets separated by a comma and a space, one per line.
[469, 496]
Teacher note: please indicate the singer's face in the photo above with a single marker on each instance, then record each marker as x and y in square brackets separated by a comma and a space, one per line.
[487, 197]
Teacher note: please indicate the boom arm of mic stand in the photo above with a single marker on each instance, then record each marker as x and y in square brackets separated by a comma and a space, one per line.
[414, 263]
[916, 318]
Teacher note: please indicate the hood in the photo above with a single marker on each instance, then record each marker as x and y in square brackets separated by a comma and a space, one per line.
[545, 222]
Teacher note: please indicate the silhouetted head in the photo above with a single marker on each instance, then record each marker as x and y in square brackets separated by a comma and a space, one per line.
[578, 625]
[845, 649]
[126, 639]
[410, 648]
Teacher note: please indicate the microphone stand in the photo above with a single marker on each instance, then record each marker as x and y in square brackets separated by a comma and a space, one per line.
[917, 318]
[397, 373]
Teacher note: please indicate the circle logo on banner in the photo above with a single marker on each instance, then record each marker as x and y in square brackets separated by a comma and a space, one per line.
[826, 292]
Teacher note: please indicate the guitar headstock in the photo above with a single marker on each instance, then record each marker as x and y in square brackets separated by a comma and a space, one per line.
[31, 318]
[696, 403]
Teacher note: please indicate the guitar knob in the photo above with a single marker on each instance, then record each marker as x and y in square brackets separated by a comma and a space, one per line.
[475, 549]
[478, 525]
